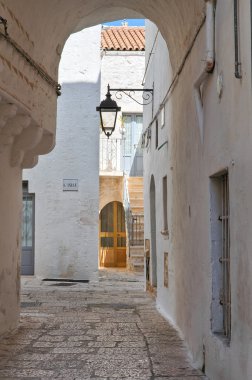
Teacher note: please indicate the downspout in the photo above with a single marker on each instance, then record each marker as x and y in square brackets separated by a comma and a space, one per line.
[236, 41]
[251, 36]
[208, 65]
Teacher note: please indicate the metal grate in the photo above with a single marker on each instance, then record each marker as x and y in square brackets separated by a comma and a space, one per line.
[110, 154]
[225, 298]
[136, 230]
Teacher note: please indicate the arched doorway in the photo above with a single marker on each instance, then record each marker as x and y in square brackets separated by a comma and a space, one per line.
[112, 252]
[153, 262]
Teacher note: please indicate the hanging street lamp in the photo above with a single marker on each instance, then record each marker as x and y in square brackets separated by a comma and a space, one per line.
[108, 108]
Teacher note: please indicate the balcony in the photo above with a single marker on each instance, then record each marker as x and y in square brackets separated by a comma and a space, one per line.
[110, 155]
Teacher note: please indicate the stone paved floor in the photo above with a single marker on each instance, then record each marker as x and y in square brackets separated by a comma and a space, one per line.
[103, 330]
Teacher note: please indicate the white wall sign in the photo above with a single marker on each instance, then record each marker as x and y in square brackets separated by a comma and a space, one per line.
[70, 184]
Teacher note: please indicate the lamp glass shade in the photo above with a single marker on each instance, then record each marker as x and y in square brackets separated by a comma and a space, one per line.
[108, 110]
[108, 120]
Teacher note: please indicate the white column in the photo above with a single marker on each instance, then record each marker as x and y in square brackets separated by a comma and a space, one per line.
[10, 241]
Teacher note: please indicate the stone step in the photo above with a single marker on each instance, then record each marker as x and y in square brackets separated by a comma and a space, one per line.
[135, 190]
[137, 267]
[136, 201]
[137, 251]
[136, 195]
[136, 186]
[137, 210]
[135, 179]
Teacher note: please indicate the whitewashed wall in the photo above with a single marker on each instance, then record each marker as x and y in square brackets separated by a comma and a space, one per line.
[122, 69]
[66, 222]
[189, 164]
[157, 163]
[119, 69]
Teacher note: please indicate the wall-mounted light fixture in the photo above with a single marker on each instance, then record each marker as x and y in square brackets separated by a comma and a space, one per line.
[108, 107]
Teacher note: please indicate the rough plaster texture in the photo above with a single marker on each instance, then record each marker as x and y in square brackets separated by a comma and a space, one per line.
[10, 211]
[111, 189]
[66, 222]
[120, 69]
[157, 165]
[123, 70]
[227, 144]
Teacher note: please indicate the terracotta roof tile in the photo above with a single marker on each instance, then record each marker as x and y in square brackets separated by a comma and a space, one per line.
[123, 38]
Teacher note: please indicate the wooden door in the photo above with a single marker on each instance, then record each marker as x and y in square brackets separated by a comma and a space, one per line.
[112, 236]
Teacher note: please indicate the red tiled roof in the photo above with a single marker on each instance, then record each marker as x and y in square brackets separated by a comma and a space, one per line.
[123, 38]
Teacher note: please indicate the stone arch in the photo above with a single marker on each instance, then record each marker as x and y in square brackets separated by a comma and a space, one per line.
[111, 189]
[177, 21]
[21, 84]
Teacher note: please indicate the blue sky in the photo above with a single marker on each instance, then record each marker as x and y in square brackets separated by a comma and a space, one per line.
[131, 22]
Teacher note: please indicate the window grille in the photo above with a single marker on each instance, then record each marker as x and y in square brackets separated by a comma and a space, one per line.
[156, 142]
[225, 294]
[220, 249]
[136, 230]
[165, 195]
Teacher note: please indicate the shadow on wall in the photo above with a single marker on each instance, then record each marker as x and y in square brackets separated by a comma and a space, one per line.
[69, 219]
[136, 169]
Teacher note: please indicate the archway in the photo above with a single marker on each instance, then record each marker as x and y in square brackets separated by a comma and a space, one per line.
[153, 261]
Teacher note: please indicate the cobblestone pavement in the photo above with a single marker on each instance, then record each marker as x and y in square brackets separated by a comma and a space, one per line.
[107, 329]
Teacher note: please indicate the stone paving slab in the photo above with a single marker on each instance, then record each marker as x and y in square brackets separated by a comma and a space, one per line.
[108, 329]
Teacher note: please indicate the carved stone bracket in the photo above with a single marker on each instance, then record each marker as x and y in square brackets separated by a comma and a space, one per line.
[13, 127]
[45, 145]
[19, 132]
[7, 111]
[27, 140]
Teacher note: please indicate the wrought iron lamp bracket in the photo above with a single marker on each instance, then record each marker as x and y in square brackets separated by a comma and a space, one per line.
[131, 93]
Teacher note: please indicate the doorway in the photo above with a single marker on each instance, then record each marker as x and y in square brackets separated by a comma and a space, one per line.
[112, 236]
[132, 150]
[27, 255]
[153, 259]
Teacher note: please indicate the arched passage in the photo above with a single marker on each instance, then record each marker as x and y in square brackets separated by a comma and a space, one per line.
[112, 236]
[153, 261]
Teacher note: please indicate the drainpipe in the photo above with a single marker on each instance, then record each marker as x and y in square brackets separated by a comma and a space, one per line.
[251, 35]
[236, 41]
[208, 65]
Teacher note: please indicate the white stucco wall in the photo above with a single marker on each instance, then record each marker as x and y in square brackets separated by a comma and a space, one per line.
[66, 222]
[122, 69]
[9, 248]
[157, 164]
[189, 165]
[119, 69]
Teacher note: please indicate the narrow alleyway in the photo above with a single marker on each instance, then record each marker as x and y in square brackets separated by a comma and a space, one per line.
[101, 330]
